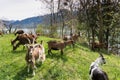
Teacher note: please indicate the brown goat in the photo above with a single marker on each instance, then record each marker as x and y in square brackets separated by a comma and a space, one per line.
[1, 33]
[57, 45]
[73, 37]
[65, 38]
[98, 46]
[38, 34]
[34, 52]
[22, 40]
[19, 32]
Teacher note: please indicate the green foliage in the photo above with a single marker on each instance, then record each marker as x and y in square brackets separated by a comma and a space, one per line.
[72, 65]
[53, 31]
[40, 29]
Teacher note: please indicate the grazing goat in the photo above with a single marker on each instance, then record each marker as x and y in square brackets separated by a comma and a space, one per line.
[19, 32]
[22, 40]
[35, 52]
[57, 45]
[96, 73]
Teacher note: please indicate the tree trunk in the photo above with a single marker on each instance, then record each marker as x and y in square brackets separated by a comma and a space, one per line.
[100, 22]
[93, 37]
[107, 36]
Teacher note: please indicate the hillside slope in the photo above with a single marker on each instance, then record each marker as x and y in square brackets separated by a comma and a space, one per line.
[73, 65]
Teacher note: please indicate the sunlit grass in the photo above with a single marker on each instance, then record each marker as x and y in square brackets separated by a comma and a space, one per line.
[72, 65]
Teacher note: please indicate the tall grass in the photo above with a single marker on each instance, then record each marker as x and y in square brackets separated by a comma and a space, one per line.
[72, 65]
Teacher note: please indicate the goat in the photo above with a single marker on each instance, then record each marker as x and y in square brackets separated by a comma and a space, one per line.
[57, 45]
[1, 33]
[73, 37]
[96, 73]
[98, 46]
[34, 52]
[38, 34]
[19, 32]
[22, 40]
[65, 38]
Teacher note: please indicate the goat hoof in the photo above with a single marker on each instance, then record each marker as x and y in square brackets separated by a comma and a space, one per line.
[33, 74]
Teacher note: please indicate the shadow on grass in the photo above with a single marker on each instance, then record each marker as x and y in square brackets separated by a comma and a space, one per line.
[85, 47]
[22, 75]
[82, 46]
[54, 72]
[57, 56]
[18, 51]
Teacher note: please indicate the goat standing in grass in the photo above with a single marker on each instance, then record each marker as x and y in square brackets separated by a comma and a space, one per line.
[1, 33]
[35, 52]
[96, 45]
[57, 45]
[96, 73]
[73, 37]
[65, 38]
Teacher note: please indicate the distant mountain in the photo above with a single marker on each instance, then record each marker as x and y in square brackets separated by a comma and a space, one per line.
[34, 21]
[8, 22]
[25, 23]
[28, 22]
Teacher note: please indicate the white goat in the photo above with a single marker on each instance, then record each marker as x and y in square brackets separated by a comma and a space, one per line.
[96, 73]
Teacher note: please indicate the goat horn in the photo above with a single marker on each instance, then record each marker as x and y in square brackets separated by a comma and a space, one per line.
[29, 40]
[33, 41]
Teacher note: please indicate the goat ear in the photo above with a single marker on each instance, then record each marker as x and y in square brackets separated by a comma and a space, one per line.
[27, 46]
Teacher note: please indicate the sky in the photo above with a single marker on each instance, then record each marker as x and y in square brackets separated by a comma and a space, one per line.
[21, 9]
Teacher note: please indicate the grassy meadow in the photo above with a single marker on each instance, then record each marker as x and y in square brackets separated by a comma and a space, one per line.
[72, 65]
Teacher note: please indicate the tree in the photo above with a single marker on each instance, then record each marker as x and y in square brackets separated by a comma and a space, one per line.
[98, 17]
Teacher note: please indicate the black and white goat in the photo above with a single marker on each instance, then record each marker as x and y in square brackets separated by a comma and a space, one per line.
[96, 73]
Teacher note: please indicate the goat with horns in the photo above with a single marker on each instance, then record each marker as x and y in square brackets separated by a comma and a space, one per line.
[96, 73]
[35, 52]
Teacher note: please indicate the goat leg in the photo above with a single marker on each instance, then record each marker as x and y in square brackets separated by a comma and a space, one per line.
[13, 41]
[17, 45]
[49, 52]
[61, 52]
[43, 58]
[23, 47]
[33, 73]
[28, 68]
[34, 68]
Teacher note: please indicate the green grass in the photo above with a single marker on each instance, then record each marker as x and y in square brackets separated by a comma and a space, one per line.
[73, 65]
